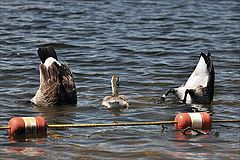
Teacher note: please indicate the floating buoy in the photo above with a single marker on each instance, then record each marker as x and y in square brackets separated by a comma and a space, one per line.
[27, 125]
[198, 120]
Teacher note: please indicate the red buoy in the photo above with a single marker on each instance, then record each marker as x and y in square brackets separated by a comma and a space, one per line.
[198, 120]
[27, 125]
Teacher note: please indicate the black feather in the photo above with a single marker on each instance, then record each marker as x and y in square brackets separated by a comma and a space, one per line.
[46, 52]
[210, 67]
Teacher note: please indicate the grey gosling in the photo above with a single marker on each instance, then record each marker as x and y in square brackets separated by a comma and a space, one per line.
[115, 101]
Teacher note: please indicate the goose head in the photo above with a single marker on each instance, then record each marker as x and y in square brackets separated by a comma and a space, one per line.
[115, 85]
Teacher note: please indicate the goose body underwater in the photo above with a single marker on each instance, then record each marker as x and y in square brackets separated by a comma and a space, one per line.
[57, 86]
[199, 88]
[115, 101]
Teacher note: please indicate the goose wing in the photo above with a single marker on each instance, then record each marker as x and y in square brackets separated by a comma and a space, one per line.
[203, 76]
[56, 81]
[200, 75]
[47, 94]
[66, 88]
[211, 78]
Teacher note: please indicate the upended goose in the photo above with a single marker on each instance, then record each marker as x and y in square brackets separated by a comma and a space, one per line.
[57, 86]
[115, 101]
[199, 87]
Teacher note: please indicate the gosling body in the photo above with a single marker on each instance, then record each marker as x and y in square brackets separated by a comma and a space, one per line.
[115, 101]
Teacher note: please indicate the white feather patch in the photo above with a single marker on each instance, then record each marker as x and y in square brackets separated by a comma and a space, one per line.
[49, 61]
[199, 76]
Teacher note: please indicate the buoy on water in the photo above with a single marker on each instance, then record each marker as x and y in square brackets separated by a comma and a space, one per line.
[197, 120]
[27, 125]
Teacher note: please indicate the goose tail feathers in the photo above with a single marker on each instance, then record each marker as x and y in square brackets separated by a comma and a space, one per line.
[46, 52]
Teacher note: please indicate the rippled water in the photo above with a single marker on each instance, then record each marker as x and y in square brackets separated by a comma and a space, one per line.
[151, 45]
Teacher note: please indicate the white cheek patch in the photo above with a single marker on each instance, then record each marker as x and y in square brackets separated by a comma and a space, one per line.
[196, 119]
[30, 124]
[49, 61]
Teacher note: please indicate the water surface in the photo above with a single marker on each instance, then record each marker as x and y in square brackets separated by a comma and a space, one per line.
[151, 45]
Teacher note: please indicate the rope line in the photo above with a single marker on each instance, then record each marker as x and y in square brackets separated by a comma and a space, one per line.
[109, 124]
[226, 120]
[82, 125]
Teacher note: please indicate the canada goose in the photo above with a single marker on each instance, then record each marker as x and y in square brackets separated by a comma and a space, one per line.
[57, 86]
[199, 87]
[115, 101]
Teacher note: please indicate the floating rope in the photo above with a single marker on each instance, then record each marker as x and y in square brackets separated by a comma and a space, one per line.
[227, 120]
[109, 124]
[128, 124]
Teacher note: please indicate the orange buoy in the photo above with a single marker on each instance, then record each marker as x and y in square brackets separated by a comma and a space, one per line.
[198, 120]
[27, 125]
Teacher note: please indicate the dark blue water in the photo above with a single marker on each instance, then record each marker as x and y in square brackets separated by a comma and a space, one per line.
[151, 45]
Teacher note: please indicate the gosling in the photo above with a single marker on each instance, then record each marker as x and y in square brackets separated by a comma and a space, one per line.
[115, 101]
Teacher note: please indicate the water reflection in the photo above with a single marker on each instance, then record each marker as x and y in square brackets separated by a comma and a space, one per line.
[116, 111]
[189, 142]
[200, 108]
[151, 44]
[26, 151]
[16, 148]
[38, 138]
[55, 114]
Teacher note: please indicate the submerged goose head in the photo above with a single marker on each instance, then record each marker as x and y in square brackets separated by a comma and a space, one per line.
[115, 101]
[57, 86]
[199, 87]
